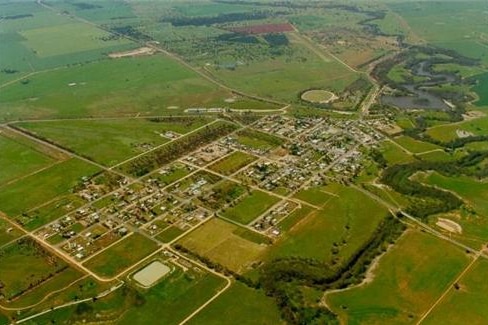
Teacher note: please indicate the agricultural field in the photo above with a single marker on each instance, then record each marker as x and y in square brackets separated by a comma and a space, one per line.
[145, 85]
[24, 265]
[114, 140]
[407, 280]
[448, 132]
[336, 230]
[394, 154]
[250, 207]
[235, 304]
[8, 233]
[42, 187]
[27, 160]
[122, 255]
[465, 304]
[223, 243]
[415, 146]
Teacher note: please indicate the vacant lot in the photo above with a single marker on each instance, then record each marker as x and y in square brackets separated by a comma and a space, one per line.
[250, 207]
[408, 280]
[8, 232]
[18, 159]
[44, 186]
[258, 140]
[466, 305]
[122, 255]
[233, 163]
[235, 304]
[111, 141]
[221, 242]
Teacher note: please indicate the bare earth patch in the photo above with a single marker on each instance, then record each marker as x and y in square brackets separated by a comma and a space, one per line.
[137, 52]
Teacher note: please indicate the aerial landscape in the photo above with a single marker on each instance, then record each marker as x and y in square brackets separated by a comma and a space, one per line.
[243, 162]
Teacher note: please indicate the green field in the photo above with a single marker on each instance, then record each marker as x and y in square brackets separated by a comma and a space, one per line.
[223, 243]
[18, 159]
[250, 207]
[482, 89]
[44, 186]
[235, 304]
[147, 85]
[258, 140]
[394, 154]
[232, 163]
[8, 232]
[120, 256]
[345, 222]
[409, 278]
[110, 141]
[466, 305]
[415, 146]
[24, 264]
[169, 234]
[448, 132]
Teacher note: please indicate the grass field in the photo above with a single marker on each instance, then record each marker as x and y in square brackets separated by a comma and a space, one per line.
[437, 156]
[317, 96]
[44, 186]
[482, 89]
[336, 231]
[18, 160]
[466, 305]
[250, 207]
[232, 163]
[407, 281]
[395, 155]
[25, 263]
[110, 141]
[169, 234]
[448, 132]
[221, 242]
[147, 85]
[235, 304]
[7, 232]
[121, 255]
[415, 146]
[258, 140]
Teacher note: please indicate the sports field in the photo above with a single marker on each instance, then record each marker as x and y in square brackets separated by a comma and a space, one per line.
[408, 279]
[221, 242]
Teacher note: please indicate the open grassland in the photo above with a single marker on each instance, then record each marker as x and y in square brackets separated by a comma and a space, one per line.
[39, 39]
[284, 78]
[59, 40]
[110, 141]
[437, 156]
[415, 146]
[44, 186]
[450, 26]
[24, 264]
[18, 159]
[235, 304]
[394, 154]
[448, 132]
[223, 243]
[250, 207]
[466, 305]
[120, 256]
[232, 163]
[407, 281]
[7, 232]
[346, 221]
[473, 191]
[147, 85]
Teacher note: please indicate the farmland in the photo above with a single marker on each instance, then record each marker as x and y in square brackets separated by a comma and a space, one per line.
[221, 242]
[407, 281]
[121, 138]
[265, 153]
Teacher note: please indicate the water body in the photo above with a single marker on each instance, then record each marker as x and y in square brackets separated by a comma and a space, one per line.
[421, 99]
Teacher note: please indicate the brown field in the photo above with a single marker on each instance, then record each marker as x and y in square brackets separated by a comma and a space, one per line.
[264, 29]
